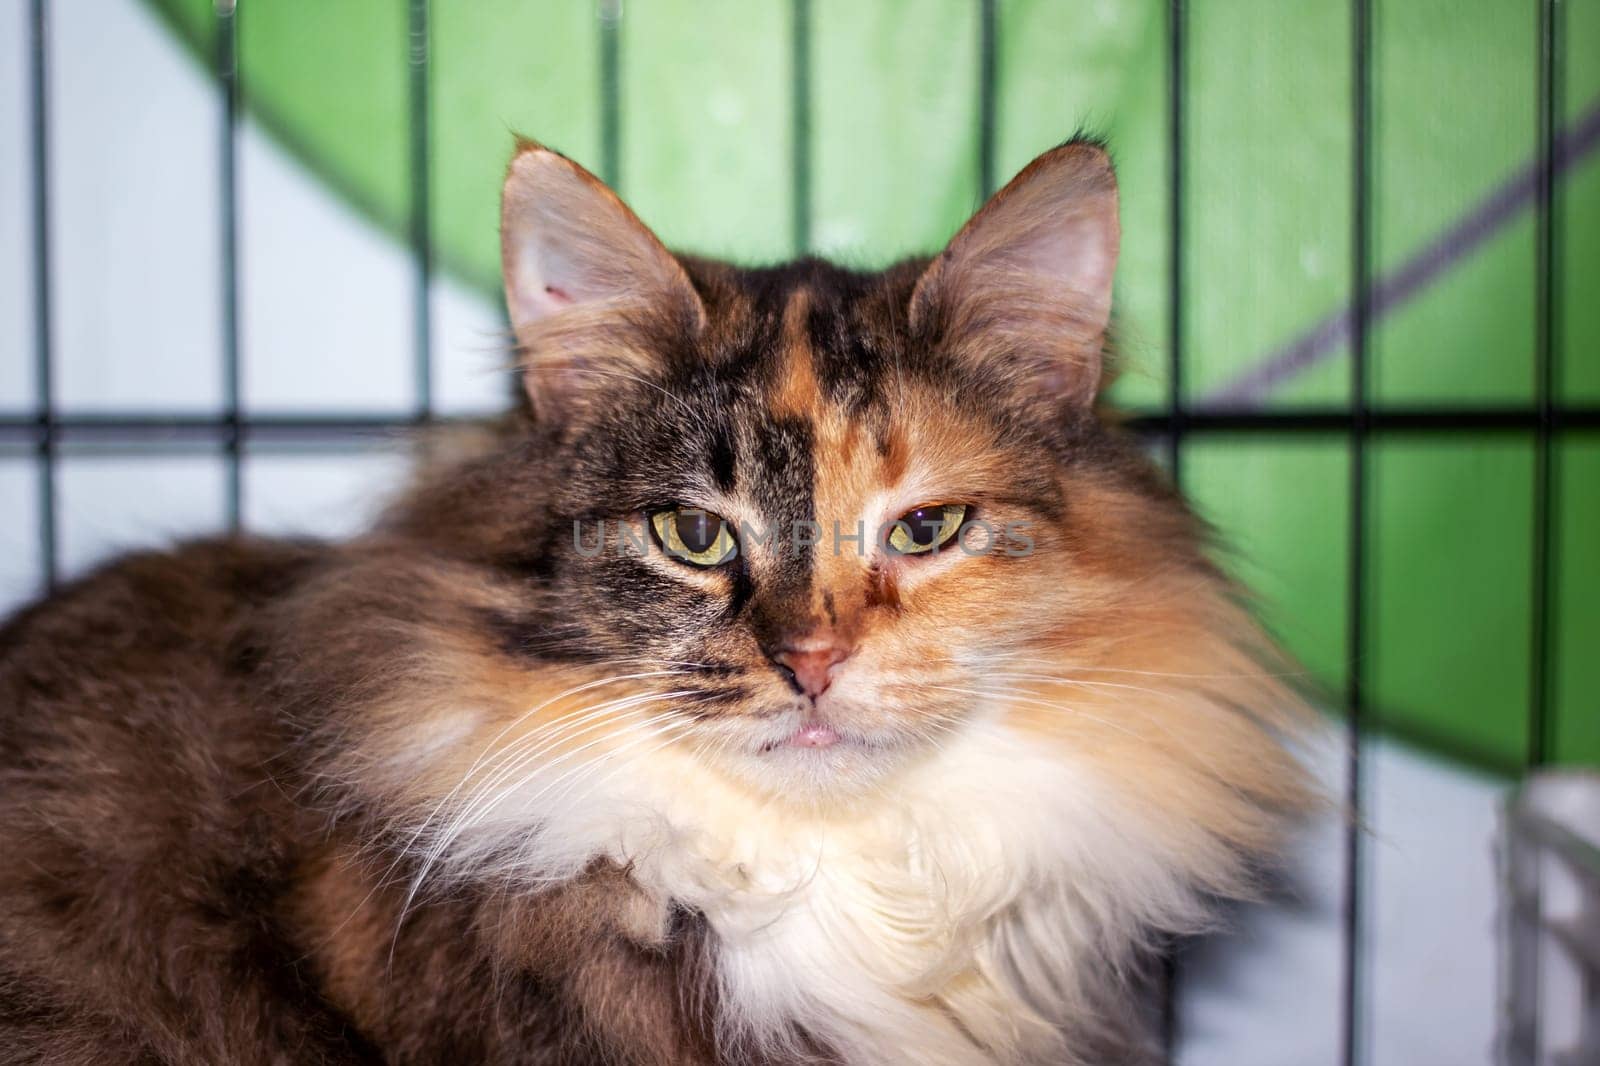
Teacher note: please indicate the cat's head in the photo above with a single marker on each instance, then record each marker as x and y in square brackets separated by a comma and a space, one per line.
[813, 524]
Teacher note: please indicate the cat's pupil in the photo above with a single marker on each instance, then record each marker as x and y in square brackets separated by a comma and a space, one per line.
[925, 524]
[698, 530]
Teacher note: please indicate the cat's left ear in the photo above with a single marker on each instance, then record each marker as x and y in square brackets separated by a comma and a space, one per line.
[590, 290]
[1026, 284]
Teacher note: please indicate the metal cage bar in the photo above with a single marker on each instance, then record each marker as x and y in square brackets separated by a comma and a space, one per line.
[1176, 410]
[800, 124]
[1541, 840]
[1356, 592]
[1523, 1030]
[421, 221]
[227, 71]
[44, 424]
[1545, 376]
[610, 24]
[26, 431]
[988, 78]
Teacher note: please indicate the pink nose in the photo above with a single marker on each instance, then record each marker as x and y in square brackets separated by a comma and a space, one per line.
[812, 664]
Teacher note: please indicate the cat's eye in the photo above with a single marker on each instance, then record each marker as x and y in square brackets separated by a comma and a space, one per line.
[694, 536]
[926, 529]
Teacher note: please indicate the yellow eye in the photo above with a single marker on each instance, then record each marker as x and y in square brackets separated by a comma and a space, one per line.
[693, 536]
[926, 529]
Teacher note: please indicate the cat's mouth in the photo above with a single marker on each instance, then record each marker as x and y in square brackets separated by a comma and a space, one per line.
[804, 731]
[815, 755]
[812, 733]
[808, 729]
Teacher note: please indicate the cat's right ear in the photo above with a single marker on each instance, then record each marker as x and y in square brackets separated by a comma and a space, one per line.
[588, 286]
[1025, 286]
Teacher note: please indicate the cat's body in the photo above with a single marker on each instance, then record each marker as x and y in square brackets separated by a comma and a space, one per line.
[169, 896]
[479, 787]
[167, 889]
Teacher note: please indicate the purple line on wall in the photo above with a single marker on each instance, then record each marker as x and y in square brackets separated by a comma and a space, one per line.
[1390, 291]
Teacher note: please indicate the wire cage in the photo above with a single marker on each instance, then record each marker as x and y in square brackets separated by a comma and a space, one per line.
[1354, 421]
[1550, 948]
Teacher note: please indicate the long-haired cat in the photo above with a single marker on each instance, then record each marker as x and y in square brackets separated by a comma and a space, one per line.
[809, 672]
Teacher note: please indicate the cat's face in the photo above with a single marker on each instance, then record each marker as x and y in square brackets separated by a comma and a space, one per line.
[833, 539]
[825, 517]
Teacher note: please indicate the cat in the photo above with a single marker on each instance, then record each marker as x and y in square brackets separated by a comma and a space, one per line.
[808, 670]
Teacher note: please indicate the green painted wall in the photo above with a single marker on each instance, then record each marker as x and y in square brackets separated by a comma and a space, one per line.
[706, 147]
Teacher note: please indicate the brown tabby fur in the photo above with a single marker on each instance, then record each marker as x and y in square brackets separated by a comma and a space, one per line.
[168, 897]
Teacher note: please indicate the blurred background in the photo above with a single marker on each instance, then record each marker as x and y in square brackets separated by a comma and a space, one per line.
[243, 252]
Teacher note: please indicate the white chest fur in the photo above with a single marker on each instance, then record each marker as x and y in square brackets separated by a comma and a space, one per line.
[960, 918]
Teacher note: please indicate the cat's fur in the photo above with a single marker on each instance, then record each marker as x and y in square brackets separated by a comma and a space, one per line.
[461, 791]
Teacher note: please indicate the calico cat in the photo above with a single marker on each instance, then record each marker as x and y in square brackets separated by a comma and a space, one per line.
[808, 672]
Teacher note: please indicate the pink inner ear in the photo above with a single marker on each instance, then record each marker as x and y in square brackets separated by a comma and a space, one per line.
[1049, 236]
[1081, 256]
[557, 296]
[1032, 272]
[1054, 227]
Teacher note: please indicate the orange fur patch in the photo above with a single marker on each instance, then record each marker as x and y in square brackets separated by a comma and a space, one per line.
[798, 393]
